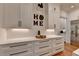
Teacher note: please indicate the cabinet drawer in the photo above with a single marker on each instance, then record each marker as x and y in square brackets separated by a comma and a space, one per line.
[46, 53]
[42, 42]
[42, 47]
[19, 48]
[42, 52]
[3, 51]
[58, 49]
[20, 45]
[58, 40]
[22, 53]
[57, 44]
[18, 51]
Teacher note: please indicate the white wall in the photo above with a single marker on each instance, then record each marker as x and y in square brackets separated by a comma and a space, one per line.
[68, 30]
[63, 20]
[65, 23]
[74, 15]
[51, 15]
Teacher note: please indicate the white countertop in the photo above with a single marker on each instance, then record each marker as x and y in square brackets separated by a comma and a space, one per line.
[26, 39]
[76, 52]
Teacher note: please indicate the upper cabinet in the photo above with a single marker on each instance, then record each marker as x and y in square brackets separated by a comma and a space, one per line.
[11, 15]
[26, 15]
[53, 15]
[17, 15]
[30, 15]
[1, 14]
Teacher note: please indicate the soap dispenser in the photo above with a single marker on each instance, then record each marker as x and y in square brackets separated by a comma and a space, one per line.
[38, 32]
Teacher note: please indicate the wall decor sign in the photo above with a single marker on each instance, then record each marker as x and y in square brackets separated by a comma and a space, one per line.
[36, 16]
[39, 18]
[40, 5]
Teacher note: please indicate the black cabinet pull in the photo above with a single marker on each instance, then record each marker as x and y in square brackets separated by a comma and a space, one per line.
[19, 23]
[18, 53]
[58, 48]
[43, 47]
[18, 45]
[44, 41]
[59, 43]
[44, 53]
[58, 39]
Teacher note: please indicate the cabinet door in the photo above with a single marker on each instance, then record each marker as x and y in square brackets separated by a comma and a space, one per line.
[3, 51]
[56, 9]
[57, 18]
[11, 15]
[50, 16]
[26, 15]
[1, 14]
[53, 15]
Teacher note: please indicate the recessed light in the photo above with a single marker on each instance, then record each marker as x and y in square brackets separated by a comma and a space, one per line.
[72, 6]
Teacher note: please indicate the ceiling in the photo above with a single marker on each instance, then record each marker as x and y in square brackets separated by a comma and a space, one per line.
[69, 7]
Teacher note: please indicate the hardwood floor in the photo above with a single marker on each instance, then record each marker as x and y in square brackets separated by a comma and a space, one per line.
[68, 50]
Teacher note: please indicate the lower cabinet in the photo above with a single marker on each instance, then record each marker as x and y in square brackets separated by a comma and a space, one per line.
[18, 49]
[57, 45]
[44, 47]
[58, 49]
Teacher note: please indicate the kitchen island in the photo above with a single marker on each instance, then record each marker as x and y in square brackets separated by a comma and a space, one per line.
[31, 46]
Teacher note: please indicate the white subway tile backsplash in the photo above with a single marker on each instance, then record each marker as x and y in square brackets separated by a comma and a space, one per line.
[19, 34]
[3, 34]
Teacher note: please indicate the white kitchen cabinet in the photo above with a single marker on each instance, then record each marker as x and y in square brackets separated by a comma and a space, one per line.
[26, 15]
[3, 51]
[21, 49]
[11, 15]
[53, 15]
[58, 49]
[42, 47]
[1, 14]
[57, 45]
[17, 49]
[17, 15]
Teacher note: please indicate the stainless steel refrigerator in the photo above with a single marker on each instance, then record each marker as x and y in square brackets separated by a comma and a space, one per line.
[75, 32]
